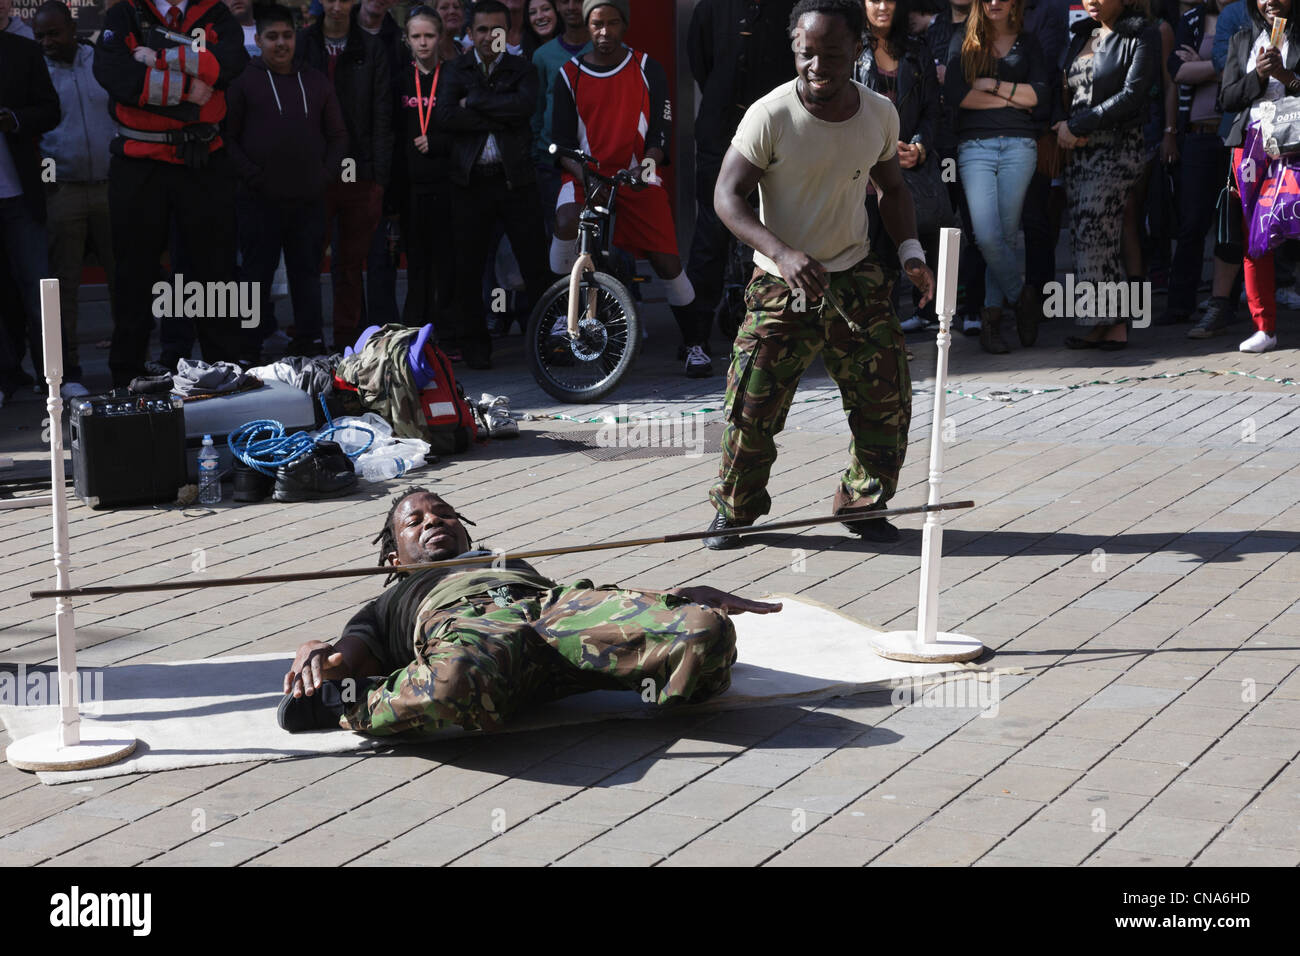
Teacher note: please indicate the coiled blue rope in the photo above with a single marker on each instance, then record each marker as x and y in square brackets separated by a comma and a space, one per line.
[264, 447]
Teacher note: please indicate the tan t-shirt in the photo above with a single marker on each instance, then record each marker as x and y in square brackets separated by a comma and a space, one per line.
[813, 194]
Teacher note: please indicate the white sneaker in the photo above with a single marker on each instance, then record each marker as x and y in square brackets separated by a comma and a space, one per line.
[495, 411]
[912, 324]
[561, 327]
[1287, 298]
[1259, 342]
[73, 390]
[697, 363]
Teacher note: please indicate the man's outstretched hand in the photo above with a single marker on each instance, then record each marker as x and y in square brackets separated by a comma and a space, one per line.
[722, 600]
[315, 663]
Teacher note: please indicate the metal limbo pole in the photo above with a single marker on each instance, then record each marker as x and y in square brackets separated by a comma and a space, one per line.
[66, 747]
[927, 643]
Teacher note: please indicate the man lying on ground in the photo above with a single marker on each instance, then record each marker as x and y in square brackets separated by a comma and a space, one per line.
[476, 645]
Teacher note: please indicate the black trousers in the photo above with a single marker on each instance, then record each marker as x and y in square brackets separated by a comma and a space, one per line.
[296, 227]
[143, 196]
[707, 265]
[430, 256]
[1040, 237]
[476, 208]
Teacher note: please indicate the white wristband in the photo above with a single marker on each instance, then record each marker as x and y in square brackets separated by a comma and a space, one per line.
[910, 249]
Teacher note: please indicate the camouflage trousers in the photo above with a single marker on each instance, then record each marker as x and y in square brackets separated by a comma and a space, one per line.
[865, 356]
[480, 662]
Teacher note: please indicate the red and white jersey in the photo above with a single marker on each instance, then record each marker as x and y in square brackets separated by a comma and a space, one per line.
[613, 110]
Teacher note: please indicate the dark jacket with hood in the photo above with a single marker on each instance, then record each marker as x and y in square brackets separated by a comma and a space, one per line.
[285, 133]
[1125, 76]
[501, 104]
[1241, 88]
[363, 83]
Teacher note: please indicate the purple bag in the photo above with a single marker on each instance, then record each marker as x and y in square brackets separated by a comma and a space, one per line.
[1270, 195]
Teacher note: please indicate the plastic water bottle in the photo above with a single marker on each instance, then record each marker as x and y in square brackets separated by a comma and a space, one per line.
[381, 469]
[209, 469]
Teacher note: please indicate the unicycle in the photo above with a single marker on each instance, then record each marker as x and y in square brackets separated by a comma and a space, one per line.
[584, 333]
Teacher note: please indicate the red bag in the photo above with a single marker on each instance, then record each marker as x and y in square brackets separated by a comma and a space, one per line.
[447, 413]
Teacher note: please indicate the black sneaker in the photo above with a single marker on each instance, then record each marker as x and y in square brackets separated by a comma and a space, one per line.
[325, 472]
[683, 350]
[1216, 320]
[251, 484]
[723, 542]
[318, 711]
[878, 530]
[697, 363]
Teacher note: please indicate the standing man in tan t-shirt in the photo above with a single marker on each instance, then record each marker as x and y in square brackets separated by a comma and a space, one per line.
[810, 147]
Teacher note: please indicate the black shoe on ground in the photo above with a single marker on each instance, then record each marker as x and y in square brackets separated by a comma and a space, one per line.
[1216, 320]
[325, 472]
[318, 711]
[697, 363]
[723, 542]
[683, 350]
[878, 530]
[251, 484]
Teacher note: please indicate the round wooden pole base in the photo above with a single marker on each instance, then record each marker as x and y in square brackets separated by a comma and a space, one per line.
[46, 752]
[946, 649]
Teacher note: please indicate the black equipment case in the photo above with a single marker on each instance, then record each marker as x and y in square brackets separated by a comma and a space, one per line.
[127, 449]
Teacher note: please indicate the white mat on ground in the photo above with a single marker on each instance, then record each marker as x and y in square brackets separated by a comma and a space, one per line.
[222, 709]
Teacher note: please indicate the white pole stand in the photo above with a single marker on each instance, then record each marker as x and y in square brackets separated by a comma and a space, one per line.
[927, 644]
[65, 747]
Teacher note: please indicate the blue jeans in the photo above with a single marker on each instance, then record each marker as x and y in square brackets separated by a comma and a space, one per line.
[995, 175]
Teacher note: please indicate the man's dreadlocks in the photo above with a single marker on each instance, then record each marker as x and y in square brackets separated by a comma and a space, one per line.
[387, 538]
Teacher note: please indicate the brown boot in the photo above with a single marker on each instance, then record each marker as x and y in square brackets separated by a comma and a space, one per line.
[990, 334]
[1029, 310]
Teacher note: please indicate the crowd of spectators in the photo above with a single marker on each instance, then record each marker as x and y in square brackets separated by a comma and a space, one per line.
[372, 130]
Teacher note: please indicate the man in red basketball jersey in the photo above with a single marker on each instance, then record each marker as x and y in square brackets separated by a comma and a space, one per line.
[612, 104]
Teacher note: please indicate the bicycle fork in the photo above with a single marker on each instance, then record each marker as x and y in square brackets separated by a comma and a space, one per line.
[585, 263]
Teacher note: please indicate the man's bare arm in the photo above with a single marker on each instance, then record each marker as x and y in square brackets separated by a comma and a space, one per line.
[736, 182]
[317, 662]
[898, 213]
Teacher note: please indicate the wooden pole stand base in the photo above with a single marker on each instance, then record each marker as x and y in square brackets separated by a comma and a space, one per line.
[907, 646]
[46, 752]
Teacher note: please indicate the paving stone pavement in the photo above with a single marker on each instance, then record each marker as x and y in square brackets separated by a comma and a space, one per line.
[1134, 552]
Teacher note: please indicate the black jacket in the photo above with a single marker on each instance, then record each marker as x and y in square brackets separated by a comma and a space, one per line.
[1125, 76]
[26, 90]
[1023, 64]
[363, 82]
[501, 104]
[916, 96]
[412, 166]
[739, 51]
[1240, 89]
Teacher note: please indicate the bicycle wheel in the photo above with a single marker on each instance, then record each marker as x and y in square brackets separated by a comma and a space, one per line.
[589, 368]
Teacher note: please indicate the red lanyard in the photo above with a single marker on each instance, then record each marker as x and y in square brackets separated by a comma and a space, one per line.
[420, 111]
